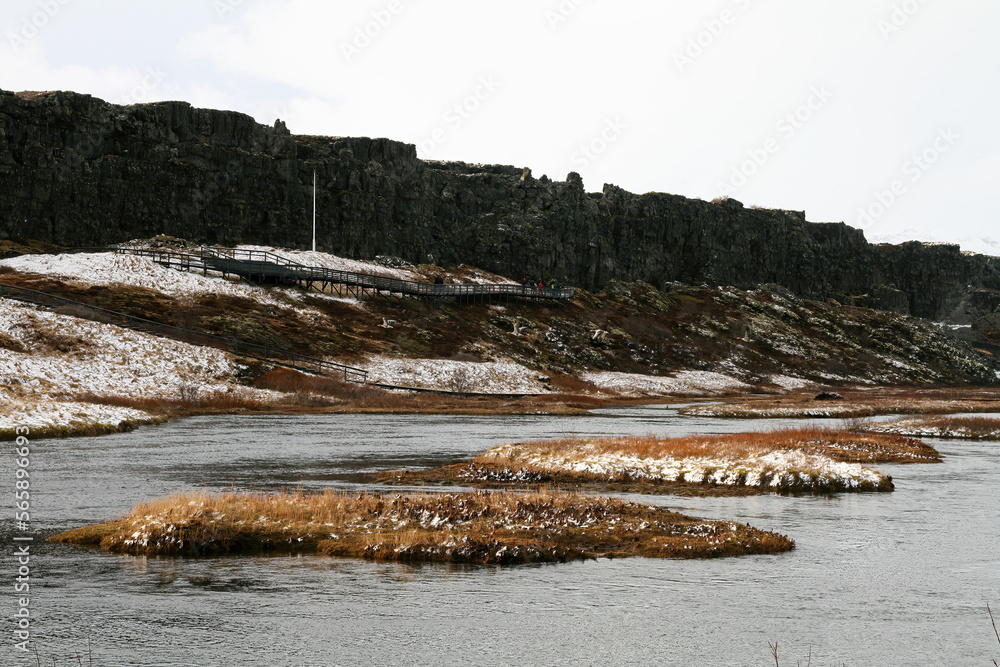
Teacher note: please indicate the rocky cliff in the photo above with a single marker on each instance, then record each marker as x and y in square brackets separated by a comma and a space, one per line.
[77, 171]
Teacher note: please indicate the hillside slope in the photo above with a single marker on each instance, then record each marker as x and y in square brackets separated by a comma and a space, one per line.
[631, 340]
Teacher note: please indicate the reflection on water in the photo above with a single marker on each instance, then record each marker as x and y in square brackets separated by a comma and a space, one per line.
[899, 578]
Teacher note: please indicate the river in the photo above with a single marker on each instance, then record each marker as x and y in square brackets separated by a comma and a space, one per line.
[876, 579]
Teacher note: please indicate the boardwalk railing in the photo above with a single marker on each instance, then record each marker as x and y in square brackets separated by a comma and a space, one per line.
[272, 354]
[263, 266]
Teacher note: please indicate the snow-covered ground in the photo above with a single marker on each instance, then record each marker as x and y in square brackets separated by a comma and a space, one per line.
[687, 383]
[51, 417]
[328, 261]
[133, 271]
[48, 359]
[775, 469]
[494, 377]
[788, 383]
[479, 277]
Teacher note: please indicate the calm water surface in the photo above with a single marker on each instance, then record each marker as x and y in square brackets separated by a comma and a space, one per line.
[879, 579]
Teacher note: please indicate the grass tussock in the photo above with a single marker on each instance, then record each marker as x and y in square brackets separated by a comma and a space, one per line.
[9, 343]
[808, 460]
[479, 527]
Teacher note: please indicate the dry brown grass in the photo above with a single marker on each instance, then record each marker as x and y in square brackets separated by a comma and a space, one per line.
[180, 405]
[857, 404]
[477, 527]
[839, 444]
[12, 344]
[356, 395]
[292, 381]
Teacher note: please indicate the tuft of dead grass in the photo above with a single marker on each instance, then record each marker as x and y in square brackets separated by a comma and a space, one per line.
[12, 344]
[480, 527]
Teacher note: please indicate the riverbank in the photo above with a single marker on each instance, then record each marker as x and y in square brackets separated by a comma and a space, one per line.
[481, 527]
[854, 403]
[791, 461]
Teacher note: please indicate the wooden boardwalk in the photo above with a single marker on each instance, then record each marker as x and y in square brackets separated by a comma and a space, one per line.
[266, 267]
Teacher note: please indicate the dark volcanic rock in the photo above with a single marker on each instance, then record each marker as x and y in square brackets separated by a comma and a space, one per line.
[78, 171]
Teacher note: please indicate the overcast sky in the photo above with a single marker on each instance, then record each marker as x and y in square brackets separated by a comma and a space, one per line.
[879, 113]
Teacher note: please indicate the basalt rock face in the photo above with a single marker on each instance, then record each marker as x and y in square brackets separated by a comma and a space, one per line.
[77, 171]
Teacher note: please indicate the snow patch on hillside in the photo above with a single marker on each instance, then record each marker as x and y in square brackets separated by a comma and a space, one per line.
[493, 377]
[328, 261]
[133, 271]
[688, 383]
[48, 360]
[788, 383]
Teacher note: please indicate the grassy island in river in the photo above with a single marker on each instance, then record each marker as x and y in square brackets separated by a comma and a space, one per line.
[810, 460]
[479, 527]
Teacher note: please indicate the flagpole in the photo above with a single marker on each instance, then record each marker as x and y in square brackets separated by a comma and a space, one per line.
[314, 211]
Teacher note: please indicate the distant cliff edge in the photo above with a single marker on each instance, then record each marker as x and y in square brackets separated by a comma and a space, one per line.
[78, 171]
